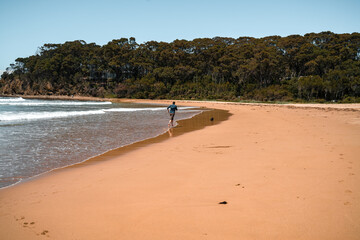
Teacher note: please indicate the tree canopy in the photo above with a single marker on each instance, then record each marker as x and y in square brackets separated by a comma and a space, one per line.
[315, 67]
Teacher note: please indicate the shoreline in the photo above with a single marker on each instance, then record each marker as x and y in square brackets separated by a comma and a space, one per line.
[284, 172]
[193, 123]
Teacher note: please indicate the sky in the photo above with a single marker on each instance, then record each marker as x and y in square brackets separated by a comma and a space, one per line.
[26, 25]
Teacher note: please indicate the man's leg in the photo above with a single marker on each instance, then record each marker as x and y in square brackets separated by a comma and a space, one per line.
[171, 120]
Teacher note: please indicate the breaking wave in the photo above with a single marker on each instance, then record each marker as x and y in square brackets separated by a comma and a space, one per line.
[35, 102]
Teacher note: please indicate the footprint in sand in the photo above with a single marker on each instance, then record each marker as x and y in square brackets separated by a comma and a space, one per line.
[27, 224]
[45, 232]
[23, 223]
[21, 218]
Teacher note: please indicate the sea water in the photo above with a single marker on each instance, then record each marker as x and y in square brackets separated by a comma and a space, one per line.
[37, 136]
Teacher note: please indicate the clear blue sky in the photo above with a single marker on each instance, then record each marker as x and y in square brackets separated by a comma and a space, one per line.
[26, 25]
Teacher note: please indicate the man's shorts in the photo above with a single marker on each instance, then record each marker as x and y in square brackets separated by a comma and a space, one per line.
[172, 115]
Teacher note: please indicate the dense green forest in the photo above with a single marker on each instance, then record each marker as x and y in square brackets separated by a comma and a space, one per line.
[315, 67]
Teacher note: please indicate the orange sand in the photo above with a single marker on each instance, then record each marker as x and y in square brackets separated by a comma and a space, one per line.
[285, 173]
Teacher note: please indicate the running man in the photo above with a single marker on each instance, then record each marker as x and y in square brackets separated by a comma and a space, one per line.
[171, 109]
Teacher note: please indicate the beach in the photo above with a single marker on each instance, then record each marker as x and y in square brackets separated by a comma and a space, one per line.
[39, 135]
[268, 172]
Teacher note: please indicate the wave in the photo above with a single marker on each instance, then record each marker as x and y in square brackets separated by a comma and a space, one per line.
[17, 116]
[10, 99]
[25, 102]
[43, 115]
[36, 115]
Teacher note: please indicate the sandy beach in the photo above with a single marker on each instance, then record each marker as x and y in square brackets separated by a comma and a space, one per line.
[284, 172]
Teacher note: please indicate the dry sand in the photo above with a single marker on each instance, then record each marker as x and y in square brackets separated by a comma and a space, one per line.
[285, 172]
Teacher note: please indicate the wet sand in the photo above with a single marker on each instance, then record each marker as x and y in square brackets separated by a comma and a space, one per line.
[280, 172]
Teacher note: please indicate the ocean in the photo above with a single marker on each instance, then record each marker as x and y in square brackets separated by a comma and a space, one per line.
[37, 136]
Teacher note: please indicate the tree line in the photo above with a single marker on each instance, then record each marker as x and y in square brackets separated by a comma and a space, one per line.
[315, 67]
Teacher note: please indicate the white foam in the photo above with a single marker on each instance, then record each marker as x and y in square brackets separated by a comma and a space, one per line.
[10, 116]
[16, 116]
[25, 102]
[10, 100]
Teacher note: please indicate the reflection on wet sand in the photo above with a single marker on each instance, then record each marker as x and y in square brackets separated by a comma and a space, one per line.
[171, 132]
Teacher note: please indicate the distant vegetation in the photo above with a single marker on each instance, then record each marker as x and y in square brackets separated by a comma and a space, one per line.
[314, 67]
